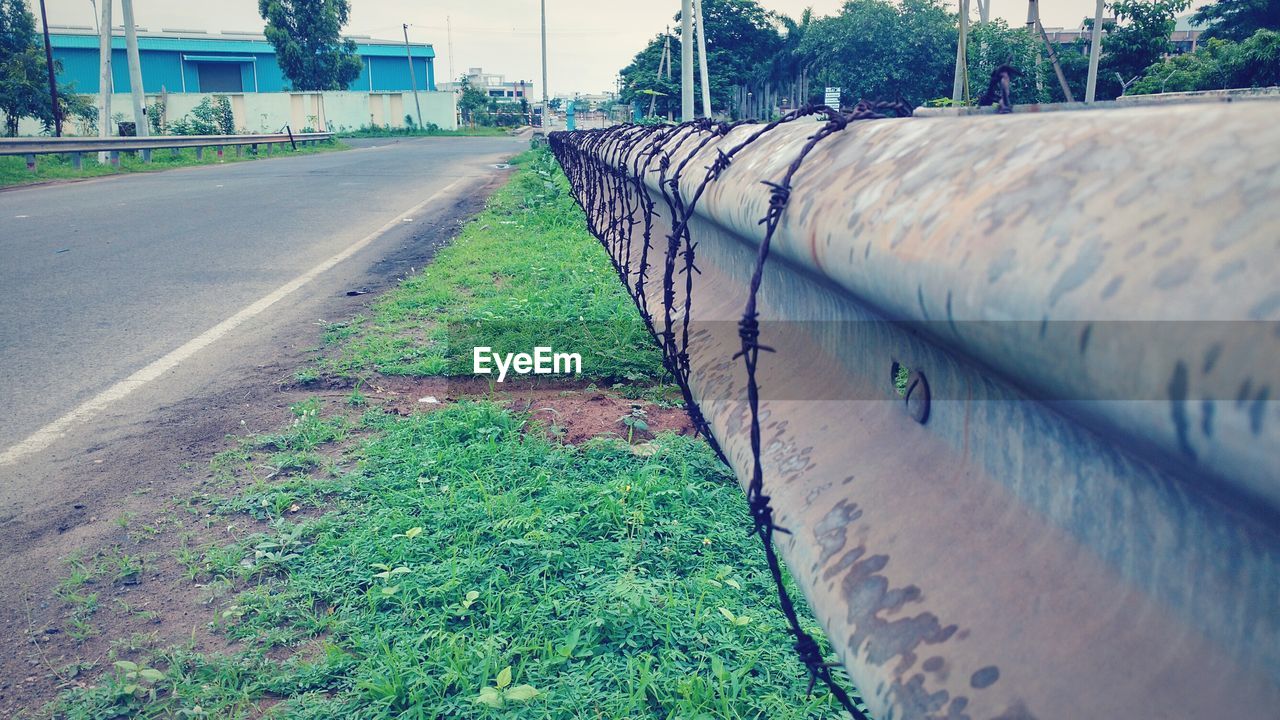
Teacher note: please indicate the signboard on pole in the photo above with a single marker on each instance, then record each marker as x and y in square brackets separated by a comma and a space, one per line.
[832, 99]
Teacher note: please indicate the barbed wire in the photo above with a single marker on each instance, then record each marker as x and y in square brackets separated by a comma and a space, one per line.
[606, 169]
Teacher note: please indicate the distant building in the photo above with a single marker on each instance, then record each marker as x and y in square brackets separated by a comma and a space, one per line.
[493, 84]
[1185, 37]
[194, 61]
[594, 101]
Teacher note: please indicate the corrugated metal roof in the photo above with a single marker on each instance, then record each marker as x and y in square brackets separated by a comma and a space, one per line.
[215, 43]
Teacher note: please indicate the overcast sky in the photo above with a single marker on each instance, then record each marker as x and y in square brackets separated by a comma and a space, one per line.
[588, 40]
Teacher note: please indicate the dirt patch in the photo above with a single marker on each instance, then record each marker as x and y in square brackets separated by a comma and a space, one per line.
[571, 411]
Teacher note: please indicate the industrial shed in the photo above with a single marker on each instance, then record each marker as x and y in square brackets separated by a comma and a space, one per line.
[192, 61]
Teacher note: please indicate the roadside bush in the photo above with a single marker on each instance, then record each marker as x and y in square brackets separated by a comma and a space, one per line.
[212, 116]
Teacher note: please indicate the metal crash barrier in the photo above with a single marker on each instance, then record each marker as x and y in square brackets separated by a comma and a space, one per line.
[75, 147]
[1001, 390]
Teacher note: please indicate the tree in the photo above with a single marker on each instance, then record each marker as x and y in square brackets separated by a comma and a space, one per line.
[471, 100]
[880, 50]
[641, 81]
[993, 44]
[23, 90]
[787, 63]
[24, 79]
[742, 39]
[1074, 61]
[1139, 40]
[309, 48]
[1238, 19]
[1217, 64]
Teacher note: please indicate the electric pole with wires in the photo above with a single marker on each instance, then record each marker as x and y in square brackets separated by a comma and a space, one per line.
[53, 81]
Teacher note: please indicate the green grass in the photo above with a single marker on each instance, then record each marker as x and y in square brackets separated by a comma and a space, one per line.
[13, 170]
[463, 563]
[524, 272]
[465, 543]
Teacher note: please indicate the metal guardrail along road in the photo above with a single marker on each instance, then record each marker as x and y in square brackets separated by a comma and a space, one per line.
[75, 147]
[1073, 513]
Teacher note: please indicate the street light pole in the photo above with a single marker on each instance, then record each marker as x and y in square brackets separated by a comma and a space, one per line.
[135, 71]
[702, 58]
[105, 87]
[53, 81]
[686, 60]
[413, 79]
[1095, 52]
[546, 118]
[959, 83]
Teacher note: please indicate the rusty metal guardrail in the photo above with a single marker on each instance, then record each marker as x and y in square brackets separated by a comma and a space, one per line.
[1075, 509]
[75, 147]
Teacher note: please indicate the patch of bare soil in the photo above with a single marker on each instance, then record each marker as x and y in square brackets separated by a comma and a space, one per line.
[103, 577]
[572, 412]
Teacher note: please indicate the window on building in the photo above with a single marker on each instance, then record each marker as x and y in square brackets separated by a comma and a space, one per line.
[220, 77]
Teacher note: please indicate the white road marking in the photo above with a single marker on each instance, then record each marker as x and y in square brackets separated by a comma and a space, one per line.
[21, 216]
[46, 435]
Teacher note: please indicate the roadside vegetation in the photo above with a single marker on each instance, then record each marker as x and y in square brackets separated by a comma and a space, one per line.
[431, 130]
[459, 559]
[13, 170]
[524, 273]
[881, 50]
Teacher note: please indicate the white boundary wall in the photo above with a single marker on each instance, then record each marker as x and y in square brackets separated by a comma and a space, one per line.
[322, 112]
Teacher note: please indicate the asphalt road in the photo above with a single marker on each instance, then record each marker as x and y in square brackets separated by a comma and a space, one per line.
[102, 278]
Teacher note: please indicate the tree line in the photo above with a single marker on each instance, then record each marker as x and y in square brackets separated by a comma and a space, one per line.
[884, 50]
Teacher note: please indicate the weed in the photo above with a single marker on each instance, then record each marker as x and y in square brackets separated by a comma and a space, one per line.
[306, 376]
[78, 575]
[635, 422]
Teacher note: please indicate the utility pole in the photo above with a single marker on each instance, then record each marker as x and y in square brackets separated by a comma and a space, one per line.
[1033, 22]
[702, 57]
[546, 117]
[686, 60]
[1095, 52]
[105, 86]
[662, 62]
[135, 71]
[413, 80]
[53, 81]
[666, 56]
[448, 23]
[958, 86]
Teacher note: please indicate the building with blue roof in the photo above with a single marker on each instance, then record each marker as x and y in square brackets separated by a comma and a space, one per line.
[192, 61]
